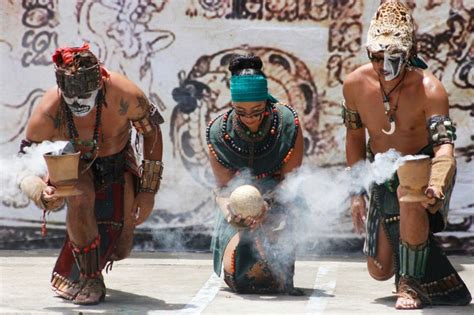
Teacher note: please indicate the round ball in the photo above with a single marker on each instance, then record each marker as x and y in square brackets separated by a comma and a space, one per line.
[247, 201]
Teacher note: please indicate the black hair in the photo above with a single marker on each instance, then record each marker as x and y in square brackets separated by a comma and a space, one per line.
[246, 65]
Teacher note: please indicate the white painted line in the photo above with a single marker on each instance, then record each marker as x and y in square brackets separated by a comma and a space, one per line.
[324, 286]
[205, 296]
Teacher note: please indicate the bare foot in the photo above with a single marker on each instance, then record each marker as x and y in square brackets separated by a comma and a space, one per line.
[411, 295]
[408, 302]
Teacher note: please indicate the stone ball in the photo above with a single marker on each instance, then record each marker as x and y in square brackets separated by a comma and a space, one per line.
[246, 200]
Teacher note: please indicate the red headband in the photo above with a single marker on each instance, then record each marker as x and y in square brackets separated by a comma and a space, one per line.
[64, 56]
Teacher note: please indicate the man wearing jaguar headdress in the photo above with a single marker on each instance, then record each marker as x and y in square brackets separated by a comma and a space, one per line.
[402, 106]
[95, 109]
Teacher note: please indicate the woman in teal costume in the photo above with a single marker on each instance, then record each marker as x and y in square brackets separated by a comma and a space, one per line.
[261, 138]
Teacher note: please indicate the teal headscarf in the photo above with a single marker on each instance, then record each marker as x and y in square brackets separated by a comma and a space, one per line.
[249, 88]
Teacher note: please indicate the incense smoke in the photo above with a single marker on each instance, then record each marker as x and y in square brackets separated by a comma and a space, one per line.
[16, 167]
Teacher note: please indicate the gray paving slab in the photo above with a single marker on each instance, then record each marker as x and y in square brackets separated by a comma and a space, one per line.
[183, 283]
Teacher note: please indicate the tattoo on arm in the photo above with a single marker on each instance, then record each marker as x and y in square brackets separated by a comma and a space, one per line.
[142, 103]
[141, 108]
[123, 107]
[57, 119]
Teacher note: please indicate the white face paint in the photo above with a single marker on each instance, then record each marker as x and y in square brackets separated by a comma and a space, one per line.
[392, 65]
[81, 106]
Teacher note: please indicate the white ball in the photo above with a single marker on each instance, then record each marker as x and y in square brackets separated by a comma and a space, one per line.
[246, 200]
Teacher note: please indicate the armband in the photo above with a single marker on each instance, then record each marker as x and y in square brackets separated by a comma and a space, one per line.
[151, 176]
[441, 130]
[152, 119]
[351, 118]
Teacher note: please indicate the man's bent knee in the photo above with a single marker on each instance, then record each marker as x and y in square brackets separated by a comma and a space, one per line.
[379, 276]
[378, 271]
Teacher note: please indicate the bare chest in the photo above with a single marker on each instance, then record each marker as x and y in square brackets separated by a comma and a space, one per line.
[110, 129]
[405, 108]
[403, 127]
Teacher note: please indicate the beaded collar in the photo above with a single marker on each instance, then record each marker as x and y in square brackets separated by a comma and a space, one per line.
[257, 143]
[247, 146]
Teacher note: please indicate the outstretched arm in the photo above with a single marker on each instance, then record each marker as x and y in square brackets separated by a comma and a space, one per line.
[146, 119]
[355, 147]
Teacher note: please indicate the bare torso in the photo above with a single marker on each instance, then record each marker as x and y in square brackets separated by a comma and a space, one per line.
[115, 126]
[411, 134]
[114, 131]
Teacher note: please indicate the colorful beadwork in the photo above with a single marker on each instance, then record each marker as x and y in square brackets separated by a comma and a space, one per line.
[253, 145]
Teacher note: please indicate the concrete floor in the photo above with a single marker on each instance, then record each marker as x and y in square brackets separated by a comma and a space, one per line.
[183, 283]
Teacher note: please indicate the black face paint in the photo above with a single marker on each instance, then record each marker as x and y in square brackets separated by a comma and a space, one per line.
[81, 106]
[392, 64]
[78, 109]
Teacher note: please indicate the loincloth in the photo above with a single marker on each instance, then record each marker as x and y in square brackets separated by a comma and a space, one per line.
[109, 212]
[441, 280]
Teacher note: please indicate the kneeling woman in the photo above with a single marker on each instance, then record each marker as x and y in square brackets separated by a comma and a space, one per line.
[262, 137]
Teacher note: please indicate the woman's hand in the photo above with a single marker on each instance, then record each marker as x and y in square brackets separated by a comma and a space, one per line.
[253, 222]
[250, 222]
[359, 212]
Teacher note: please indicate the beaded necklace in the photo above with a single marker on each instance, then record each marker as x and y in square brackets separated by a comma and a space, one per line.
[275, 129]
[247, 135]
[74, 134]
[267, 129]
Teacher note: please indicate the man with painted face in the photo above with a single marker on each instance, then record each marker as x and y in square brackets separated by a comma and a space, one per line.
[94, 110]
[258, 141]
[402, 106]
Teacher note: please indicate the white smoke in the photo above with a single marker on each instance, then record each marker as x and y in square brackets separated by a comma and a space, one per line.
[15, 168]
[322, 194]
[318, 197]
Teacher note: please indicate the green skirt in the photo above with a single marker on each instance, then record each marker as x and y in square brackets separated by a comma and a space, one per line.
[264, 259]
